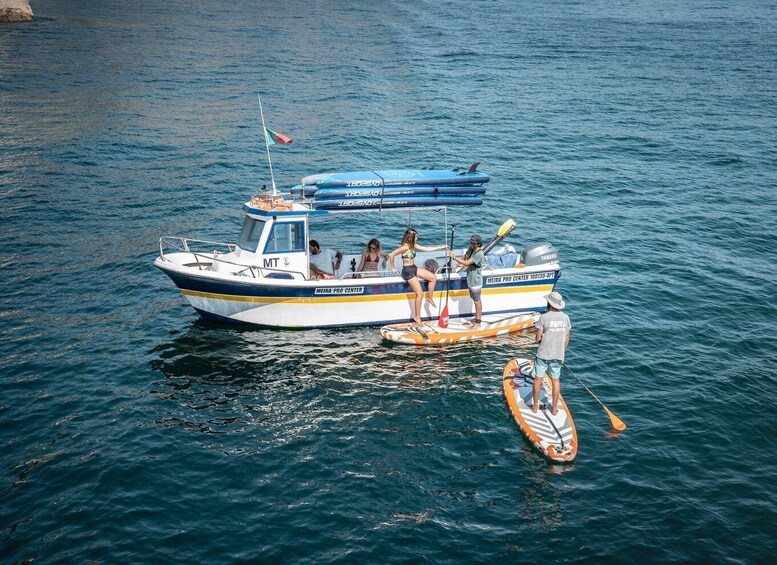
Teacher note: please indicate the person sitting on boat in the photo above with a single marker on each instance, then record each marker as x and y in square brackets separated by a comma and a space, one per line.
[323, 262]
[411, 273]
[473, 260]
[371, 258]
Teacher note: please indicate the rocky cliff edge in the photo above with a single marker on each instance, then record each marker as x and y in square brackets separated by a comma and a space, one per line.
[15, 11]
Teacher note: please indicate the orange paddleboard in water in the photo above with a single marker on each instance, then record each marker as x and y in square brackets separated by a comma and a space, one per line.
[554, 436]
[459, 330]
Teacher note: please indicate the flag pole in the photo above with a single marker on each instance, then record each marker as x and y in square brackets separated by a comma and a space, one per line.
[267, 145]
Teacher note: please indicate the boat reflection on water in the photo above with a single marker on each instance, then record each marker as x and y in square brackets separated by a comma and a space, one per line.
[214, 354]
[210, 353]
[274, 385]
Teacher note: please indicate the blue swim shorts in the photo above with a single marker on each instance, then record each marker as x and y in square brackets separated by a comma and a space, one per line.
[550, 366]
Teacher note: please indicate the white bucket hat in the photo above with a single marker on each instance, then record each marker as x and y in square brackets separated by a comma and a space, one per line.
[555, 300]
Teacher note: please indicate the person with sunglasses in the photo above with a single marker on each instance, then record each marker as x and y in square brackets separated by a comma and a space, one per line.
[411, 273]
[371, 258]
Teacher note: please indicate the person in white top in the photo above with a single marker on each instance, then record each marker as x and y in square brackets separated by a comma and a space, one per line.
[323, 262]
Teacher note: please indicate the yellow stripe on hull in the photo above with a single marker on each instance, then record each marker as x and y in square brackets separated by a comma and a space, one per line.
[361, 298]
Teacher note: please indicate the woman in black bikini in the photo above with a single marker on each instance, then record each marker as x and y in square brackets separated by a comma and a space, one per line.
[371, 257]
[407, 250]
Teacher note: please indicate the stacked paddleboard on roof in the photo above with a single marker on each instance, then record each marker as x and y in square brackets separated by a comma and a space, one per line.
[411, 180]
[553, 436]
[404, 177]
[394, 202]
[386, 191]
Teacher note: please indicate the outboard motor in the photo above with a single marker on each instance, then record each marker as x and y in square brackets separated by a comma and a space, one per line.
[538, 254]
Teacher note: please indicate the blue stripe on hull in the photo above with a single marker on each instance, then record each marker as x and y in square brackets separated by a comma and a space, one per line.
[187, 282]
[209, 285]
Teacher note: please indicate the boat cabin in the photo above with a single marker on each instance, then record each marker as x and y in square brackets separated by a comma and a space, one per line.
[273, 242]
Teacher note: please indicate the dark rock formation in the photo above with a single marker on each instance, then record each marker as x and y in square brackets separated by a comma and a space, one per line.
[15, 11]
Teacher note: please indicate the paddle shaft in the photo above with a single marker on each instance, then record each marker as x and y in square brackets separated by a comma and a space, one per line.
[448, 285]
[616, 422]
[503, 231]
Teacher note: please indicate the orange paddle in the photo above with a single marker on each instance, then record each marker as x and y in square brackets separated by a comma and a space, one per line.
[616, 422]
[443, 321]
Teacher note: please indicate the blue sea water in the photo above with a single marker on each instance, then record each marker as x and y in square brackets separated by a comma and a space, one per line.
[637, 137]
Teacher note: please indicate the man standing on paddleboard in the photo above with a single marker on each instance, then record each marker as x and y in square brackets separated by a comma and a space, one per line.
[473, 259]
[553, 331]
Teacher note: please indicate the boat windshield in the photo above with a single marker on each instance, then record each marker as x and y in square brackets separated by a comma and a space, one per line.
[250, 234]
[285, 237]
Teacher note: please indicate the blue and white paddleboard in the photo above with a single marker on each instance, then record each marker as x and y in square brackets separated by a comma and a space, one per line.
[394, 202]
[310, 180]
[554, 435]
[387, 190]
[402, 177]
[384, 191]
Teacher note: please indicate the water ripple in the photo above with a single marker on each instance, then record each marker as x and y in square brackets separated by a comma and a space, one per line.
[636, 139]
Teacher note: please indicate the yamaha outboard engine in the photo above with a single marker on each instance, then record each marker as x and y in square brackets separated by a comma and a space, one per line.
[538, 254]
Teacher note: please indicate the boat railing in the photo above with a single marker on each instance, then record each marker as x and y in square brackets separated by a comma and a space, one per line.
[177, 244]
[441, 271]
[365, 274]
[204, 260]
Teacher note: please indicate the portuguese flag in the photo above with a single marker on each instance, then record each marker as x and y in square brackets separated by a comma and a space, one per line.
[274, 137]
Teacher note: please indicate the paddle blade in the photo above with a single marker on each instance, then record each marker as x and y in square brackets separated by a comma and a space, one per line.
[443, 321]
[616, 422]
[508, 226]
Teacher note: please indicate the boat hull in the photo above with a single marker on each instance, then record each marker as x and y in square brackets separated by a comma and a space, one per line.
[280, 303]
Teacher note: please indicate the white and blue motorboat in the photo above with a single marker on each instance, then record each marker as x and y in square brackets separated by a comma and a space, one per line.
[263, 278]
